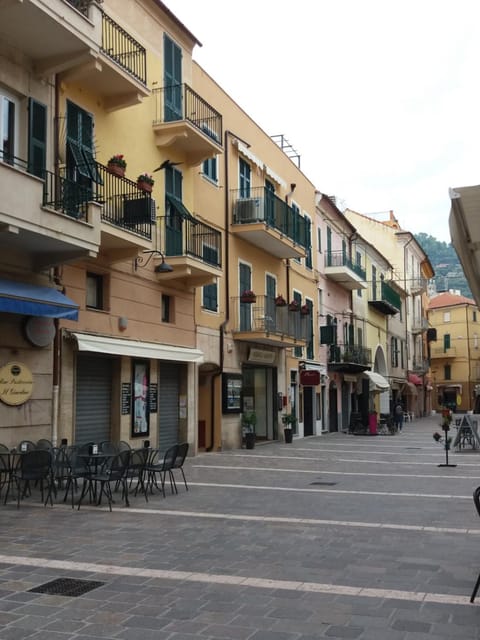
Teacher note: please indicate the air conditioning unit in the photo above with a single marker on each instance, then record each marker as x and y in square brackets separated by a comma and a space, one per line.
[247, 210]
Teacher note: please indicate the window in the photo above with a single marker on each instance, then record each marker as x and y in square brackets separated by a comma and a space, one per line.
[394, 352]
[37, 137]
[320, 301]
[446, 316]
[402, 352]
[309, 335]
[374, 282]
[81, 164]
[210, 297]
[95, 291]
[447, 372]
[475, 341]
[474, 316]
[359, 336]
[308, 256]
[329, 247]
[167, 308]
[8, 110]
[296, 212]
[172, 80]
[210, 169]
[319, 239]
[244, 178]
[297, 296]
[446, 341]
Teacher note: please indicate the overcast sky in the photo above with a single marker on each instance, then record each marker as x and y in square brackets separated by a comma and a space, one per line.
[381, 99]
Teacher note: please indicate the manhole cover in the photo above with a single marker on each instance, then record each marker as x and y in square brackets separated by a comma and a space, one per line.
[325, 484]
[67, 587]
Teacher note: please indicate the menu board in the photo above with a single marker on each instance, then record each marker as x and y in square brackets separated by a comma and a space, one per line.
[126, 398]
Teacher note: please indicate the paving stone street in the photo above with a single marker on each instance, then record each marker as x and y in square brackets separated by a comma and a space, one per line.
[337, 536]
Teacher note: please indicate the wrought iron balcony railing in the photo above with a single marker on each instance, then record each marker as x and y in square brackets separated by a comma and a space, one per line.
[81, 5]
[385, 298]
[119, 45]
[262, 205]
[265, 316]
[420, 365]
[349, 353]
[187, 236]
[180, 102]
[341, 259]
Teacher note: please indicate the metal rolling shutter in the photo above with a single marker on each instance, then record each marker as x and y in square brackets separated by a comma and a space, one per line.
[93, 399]
[168, 405]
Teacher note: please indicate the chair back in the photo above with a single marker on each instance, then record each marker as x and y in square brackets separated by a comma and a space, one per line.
[4, 448]
[119, 465]
[35, 464]
[169, 457]
[123, 446]
[138, 458]
[476, 499]
[182, 451]
[108, 447]
[43, 443]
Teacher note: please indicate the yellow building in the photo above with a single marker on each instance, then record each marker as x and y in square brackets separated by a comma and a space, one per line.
[455, 354]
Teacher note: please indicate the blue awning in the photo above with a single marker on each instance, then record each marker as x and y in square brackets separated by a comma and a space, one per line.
[32, 300]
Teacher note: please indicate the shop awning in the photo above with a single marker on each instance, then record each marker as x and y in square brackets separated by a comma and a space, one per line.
[136, 348]
[410, 389]
[414, 379]
[377, 382]
[33, 300]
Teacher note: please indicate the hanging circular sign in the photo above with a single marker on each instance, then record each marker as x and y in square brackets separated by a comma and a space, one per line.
[459, 400]
[40, 331]
[16, 383]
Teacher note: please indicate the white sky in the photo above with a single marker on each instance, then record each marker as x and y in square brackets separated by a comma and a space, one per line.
[380, 98]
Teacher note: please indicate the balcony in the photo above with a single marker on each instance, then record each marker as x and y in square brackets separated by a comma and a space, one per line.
[268, 222]
[418, 285]
[443, 352]
[349, 358]
[76, 39]
[128, 215]
[37, 229]
[384, 299]
[262, 322]
[186, 125]
[419, 325]
[420, 365]
[340, 268]
[191, 247]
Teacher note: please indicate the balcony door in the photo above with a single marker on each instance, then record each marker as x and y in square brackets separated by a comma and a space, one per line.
[172, 80]
[173, 218]
[245, 284]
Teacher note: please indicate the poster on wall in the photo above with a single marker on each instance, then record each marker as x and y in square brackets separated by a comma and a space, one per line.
[231, 393]
[140, 397]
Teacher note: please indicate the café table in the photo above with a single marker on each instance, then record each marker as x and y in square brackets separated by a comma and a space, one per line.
[9, 461]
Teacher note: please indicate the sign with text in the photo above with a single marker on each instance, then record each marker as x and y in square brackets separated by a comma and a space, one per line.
[16, 383]
[309, 377]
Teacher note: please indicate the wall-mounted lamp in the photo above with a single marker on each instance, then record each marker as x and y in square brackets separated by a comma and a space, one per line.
[163, 267]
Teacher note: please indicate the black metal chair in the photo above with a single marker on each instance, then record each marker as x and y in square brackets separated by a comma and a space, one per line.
[26, 445]
[123, 446]
[137, 469]
[109, 447]
[34, 466]
[182, 452]
[116, 472]
[476, 501]
[161, 465]
[68, 468]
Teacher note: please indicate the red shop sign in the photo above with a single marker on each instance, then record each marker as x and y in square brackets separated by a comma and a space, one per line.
[309, 377]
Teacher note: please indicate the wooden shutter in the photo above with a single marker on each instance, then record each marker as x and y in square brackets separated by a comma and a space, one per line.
[37, 137]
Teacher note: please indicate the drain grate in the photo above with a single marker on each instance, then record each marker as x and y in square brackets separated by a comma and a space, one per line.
[325, 484]
[67, 587]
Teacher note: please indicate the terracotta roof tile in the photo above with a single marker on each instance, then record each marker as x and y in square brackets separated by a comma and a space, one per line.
[448, 299]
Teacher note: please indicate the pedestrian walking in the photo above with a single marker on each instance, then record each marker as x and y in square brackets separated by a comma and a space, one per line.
[398, 415]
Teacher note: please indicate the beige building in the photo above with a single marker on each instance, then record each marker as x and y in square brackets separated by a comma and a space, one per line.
[455, 354]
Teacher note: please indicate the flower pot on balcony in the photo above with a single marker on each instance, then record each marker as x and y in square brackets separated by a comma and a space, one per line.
[144, 186]
[248, 297]
[116, 170]
[280, 301]
[305, 310]
[293, 306]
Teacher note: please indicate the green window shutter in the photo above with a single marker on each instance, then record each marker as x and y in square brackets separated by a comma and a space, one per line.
[446, 341]
[327, 334]
[210, 297]
[37, 137]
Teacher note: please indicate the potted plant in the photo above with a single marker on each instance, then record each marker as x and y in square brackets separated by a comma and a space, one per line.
[289, 421]
[294, 305]
[248, 296]
[249, 421]
[145, 182]
[305, 310]
[117, 165]
[280, 301]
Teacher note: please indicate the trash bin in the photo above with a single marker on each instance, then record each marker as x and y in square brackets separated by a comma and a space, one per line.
[372, 424]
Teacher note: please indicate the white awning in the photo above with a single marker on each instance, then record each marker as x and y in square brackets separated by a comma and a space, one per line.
[377, 382]
[274, 176]
[245, 151]
[136, 348]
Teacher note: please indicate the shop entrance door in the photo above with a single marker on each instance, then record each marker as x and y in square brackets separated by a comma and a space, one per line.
[259, 395]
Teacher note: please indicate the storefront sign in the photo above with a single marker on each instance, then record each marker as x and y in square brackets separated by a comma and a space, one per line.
[16, 383]
[261, 356]
[309, 378]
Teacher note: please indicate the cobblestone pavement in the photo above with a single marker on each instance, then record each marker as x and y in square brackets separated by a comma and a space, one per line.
[336, 536]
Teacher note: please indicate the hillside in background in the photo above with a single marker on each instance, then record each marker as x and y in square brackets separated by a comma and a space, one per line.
[448, 270]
